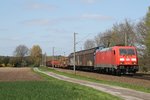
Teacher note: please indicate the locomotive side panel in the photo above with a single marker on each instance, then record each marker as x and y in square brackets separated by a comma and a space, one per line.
[105, 58]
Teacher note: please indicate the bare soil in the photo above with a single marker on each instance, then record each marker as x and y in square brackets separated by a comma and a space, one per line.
[123, 79]
[18, 74]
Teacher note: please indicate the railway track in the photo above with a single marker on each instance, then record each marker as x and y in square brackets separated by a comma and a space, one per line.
[136, 75]
[139, 76]
[137, 79]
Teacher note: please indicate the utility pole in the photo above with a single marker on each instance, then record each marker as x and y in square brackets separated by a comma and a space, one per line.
[126, 32]
[74, 67]
[81, 47]
[53, 58]
[125, 39]
[64, 54]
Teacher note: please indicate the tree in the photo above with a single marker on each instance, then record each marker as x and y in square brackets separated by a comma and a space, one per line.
[123, 34]
[1, 61]
[89, 44]
[6, 60]
[20, 52]
[104, 39]
[120, 34]
[36, 55]
[146, 41]
[141, 32]
[15, 61]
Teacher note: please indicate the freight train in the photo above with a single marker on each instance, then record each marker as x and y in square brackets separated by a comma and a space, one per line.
[115, 60]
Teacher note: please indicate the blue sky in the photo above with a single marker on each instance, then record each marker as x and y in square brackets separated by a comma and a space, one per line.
[51, 23]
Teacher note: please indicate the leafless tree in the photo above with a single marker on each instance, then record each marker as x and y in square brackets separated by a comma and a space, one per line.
[123, 33]
[120, 34]
[104, 38]
[89, 44]
[21, 51]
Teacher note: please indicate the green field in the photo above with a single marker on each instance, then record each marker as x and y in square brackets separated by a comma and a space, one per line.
[125, 85]
[49, 89]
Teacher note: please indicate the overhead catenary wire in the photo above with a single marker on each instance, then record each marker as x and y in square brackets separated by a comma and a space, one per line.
[79, 44]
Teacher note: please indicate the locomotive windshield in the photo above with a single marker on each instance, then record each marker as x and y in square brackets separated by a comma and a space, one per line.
[127, 52]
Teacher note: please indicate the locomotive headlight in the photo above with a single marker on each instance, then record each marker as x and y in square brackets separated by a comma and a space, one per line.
[122, 59]
[133, 59]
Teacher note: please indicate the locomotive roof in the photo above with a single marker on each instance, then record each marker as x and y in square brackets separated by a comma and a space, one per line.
[88, 50]
[101, 48]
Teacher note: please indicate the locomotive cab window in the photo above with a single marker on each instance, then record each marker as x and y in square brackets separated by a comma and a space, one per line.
[123, 51]
[131, 52]
[127, 51]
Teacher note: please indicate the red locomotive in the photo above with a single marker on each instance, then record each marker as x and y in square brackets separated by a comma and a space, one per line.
[115, 60]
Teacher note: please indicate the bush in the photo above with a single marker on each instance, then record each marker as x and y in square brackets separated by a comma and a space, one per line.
[9, 65]
[1, 65]
[144, 69]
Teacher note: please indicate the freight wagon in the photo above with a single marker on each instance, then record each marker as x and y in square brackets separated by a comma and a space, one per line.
[53, 63]
[84, 59]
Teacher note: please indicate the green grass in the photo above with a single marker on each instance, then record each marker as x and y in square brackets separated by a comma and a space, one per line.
[121, 84]
[50, 89]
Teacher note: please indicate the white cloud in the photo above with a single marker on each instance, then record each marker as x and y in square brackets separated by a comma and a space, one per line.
[37, 22]
[47, 22]
[89, 17]
[3, 29]
[40, 6]
[57, 30]
[85, 1]
[89, 1]
[95, 17]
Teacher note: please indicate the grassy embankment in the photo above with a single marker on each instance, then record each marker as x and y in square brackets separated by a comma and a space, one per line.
[121, 84]
[49, 89]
